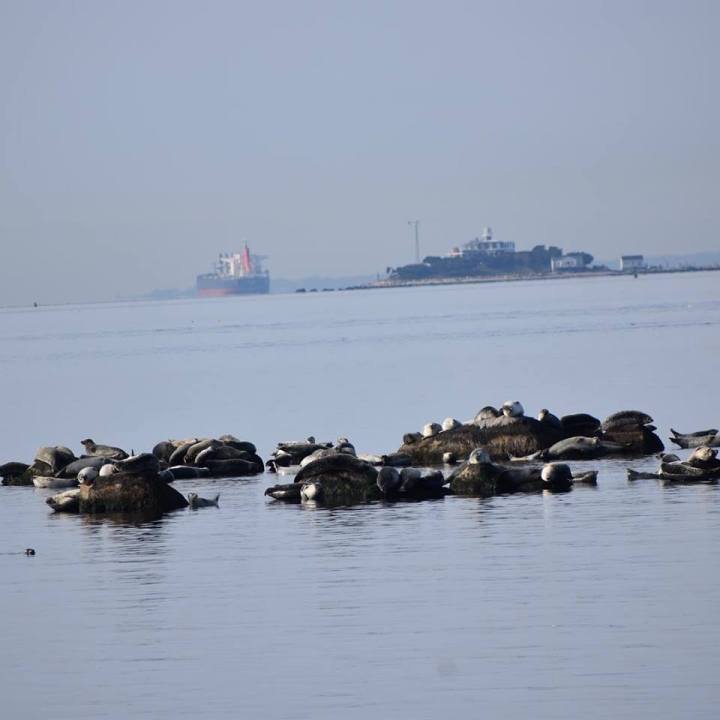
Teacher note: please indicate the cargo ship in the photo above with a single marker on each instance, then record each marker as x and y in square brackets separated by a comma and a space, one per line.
[235, 274]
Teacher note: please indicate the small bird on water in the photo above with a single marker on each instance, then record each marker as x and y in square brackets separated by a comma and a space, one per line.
[29, 551]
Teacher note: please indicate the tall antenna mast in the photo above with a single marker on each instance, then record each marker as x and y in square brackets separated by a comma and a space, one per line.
[416, 224]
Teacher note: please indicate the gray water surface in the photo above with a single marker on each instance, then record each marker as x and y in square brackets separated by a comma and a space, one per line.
[602, 602]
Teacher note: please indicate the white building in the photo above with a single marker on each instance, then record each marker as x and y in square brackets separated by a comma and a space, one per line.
[487, 245]
[632, 262]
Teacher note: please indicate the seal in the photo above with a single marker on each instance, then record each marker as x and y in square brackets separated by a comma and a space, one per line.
[287, 493]
[557, 476]
[370, 458]
[709, 438]
[589, 477]
[545, 416]
[142, 464]
[409, 479]
[195, 501]
[311, 490]
[68, 501]
[340, 465]
[633, 429]
[40, 481]
[450, 424]
[317, 454]
[513, 408]
[486, 415]
[107, 470]
[241, 445]
[178, 455]
[388, 481]
[704, 457]
[222, 452]
[582, 448]
[632, 418]
[53, 458]
[106, 451]
[579, 424]
[478, 456]
[342, 444]
[431, 429]
[194, 450]
[418, 484]
[163, 450]
[72, 470]
[13, 469]
[87, 476]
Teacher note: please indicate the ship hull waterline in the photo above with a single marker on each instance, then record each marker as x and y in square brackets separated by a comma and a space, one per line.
[215, 286]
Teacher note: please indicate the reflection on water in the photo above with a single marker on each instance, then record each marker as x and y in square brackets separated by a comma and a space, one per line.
[600, 601]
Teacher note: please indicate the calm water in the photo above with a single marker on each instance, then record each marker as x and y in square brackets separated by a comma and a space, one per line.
[598, 603]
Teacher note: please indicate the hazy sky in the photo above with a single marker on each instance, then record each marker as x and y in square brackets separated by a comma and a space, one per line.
[139, 139]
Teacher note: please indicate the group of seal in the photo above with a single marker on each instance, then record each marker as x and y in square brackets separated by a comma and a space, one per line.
[706, 438]
[290, 456]
[226, 456]
[341, 478]
[508, 433]
[702, 466]
[58, 467]
[488, 448]
[108, 479]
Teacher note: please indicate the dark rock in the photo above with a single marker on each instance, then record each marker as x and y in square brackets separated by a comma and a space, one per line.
[125, 493]
[476, 479]
[501, 437]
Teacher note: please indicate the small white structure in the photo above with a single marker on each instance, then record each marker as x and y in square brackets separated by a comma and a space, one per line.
[632, 263]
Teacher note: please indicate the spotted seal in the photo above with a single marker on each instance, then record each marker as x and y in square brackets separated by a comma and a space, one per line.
[107, 451]
[195, 501]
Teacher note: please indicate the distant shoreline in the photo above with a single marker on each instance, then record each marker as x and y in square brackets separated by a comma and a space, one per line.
[518, 277]
[383, 284]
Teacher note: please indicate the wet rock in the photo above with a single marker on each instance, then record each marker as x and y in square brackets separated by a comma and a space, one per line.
[500, 437]
[129, 493]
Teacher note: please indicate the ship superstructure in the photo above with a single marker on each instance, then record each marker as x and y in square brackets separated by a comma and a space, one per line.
[235, 274]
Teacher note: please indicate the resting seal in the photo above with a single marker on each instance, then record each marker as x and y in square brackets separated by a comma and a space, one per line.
[195, 501]
[485, 415]
[545, 416]
[142, 464]
[52, 459]
[709, 438]
[431, 429]
[388, 481]
[513, 408]
[106, 451]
